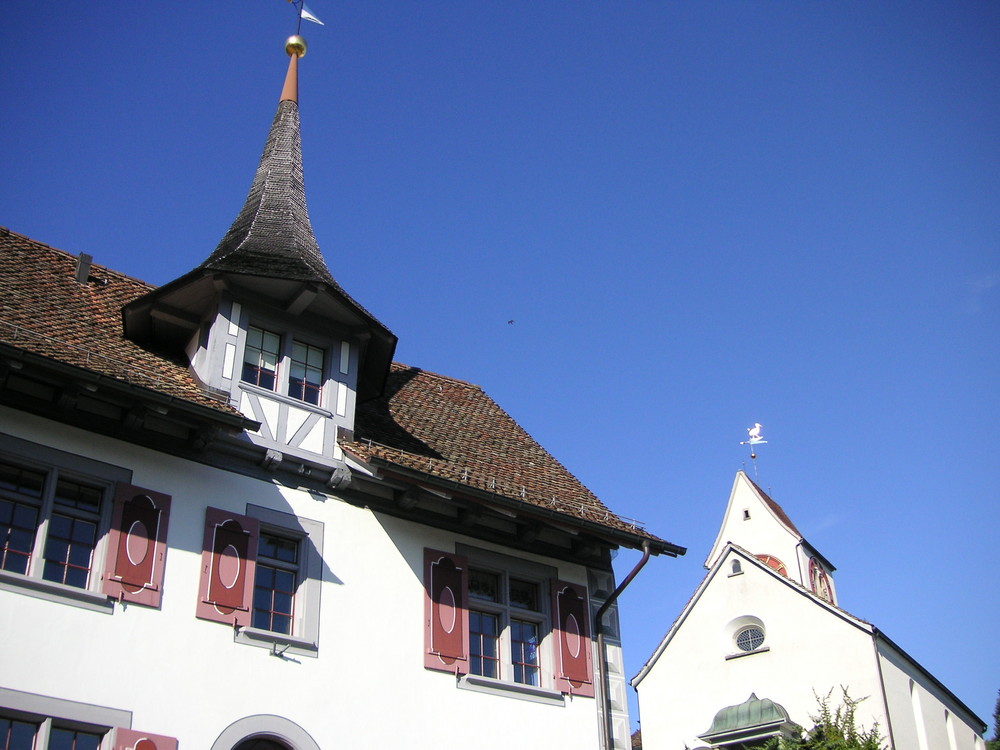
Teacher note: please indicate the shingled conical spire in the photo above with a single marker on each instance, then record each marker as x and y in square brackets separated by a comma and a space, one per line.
[272, 235]
[267, 259]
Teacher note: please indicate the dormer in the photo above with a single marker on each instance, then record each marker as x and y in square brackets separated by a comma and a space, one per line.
[262, 318]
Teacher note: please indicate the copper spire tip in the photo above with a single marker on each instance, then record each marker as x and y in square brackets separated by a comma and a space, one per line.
[295, 45]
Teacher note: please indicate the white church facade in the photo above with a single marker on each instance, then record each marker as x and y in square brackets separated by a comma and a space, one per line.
[763, 636]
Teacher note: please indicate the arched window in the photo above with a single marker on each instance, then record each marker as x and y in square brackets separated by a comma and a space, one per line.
[264, 732]
[818, 581]
[745, 635]
[774, 563]
[262, 743]
[737, 568]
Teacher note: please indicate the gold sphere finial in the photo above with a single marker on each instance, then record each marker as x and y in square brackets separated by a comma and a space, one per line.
[295, 45]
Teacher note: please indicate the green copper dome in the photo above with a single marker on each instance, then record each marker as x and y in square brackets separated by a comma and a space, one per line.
[753, 719]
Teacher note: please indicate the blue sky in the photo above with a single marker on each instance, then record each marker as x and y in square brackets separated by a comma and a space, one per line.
[699, 215]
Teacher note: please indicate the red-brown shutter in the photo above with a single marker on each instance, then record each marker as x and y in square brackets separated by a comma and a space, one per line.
[129, 739]
[227, 567]
[446, 618]
[137, 545]
[571, 628]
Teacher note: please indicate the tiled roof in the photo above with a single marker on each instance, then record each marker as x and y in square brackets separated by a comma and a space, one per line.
[443, 428]
[776, 509]
[45, 311]
[453, 431]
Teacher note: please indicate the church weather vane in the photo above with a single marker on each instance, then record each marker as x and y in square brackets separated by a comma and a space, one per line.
[754, 439]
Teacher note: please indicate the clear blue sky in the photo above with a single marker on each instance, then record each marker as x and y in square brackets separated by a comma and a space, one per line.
[699, 214]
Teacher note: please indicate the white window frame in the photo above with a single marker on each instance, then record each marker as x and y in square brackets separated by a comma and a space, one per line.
[508, 567]
[304, 638]
[286, 339]
[54, 464]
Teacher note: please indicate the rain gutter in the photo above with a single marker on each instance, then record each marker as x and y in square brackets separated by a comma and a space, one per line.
[608, 738]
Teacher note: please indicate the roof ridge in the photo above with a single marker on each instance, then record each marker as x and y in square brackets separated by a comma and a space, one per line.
[439, 376]
[69, 256]
[775, 507]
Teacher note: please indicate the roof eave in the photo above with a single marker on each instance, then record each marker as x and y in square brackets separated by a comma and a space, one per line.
[616, 536]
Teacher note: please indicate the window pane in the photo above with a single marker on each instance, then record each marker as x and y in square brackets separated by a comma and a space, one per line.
[18, 524]
[67, 739]
[281, 624]
[483, 651]
[72, 494]
[255, 337]
[524, 594]
[306, 375]
[260, 357]
[750, 639]
[524, 651]
[21, 480]
[68, 550]
[16, 735]
[25, 516]
[273, 599]
[278, 548]
[484, 586]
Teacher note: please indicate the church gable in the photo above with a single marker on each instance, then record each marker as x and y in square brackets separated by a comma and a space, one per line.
[754, 521]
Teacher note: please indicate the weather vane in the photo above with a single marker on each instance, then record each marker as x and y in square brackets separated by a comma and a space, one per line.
[305, 13]
[754, 438]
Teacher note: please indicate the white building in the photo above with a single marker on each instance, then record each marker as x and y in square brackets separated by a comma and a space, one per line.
[229, 521]
[763, 636]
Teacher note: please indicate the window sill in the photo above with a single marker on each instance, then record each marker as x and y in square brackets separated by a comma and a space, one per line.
[279, 643]
[748, 653]
[282, 398]
[511, 690]
[55, 592]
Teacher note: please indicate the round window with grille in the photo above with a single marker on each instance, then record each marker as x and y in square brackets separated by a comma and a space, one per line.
[750, 639]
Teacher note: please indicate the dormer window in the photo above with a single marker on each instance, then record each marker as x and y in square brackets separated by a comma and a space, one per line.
[260, 358]
[266, 355]
[305, 380]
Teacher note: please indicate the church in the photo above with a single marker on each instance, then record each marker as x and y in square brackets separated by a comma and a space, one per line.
[229, 520]
[763, 636]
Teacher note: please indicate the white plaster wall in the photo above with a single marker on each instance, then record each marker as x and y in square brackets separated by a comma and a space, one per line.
[187, 678]
[811, 651]
[918, 708]
[761, 534]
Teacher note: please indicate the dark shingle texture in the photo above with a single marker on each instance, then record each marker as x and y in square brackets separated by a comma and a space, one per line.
[272, 235]
[45, 311]
[453, 431]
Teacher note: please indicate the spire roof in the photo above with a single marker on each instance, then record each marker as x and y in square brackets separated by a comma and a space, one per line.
[272, 235]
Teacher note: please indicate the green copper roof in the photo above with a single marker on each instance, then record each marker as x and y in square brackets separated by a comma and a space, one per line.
[750, 718]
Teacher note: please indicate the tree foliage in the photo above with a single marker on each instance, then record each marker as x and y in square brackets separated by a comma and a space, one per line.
[994, 744]
[835, 729]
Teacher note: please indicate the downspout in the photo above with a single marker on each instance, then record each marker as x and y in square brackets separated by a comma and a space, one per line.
[602, 665]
